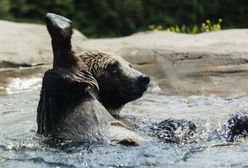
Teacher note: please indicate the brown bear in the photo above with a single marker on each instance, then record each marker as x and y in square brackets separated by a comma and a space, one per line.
[80, 90]
[118, 82]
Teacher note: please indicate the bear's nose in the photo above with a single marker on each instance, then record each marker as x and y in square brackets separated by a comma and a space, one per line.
[144, 80]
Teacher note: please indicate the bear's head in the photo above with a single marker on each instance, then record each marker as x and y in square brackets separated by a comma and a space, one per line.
[118, 82]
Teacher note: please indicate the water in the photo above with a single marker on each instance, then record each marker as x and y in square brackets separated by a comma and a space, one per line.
[21, 147]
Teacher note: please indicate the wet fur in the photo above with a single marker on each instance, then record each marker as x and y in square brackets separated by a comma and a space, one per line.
[62, 90]
[69, 107]
[118, 82]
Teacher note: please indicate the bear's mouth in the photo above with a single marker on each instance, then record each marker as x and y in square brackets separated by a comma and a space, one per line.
[136, 93]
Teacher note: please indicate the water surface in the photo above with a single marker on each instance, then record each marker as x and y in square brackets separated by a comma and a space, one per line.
[21, 147]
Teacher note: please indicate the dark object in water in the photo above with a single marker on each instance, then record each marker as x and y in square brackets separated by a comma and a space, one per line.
[237, 126]
[173, 130]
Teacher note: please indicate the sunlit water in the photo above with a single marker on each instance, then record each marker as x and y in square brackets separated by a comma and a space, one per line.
[21, 147]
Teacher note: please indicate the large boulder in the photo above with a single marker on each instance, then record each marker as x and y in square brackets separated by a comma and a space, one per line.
[28, 44]
[182, 64]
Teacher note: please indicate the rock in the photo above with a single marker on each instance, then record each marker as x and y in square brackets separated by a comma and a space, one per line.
[28, 44]
[182, 64]
[235, 128]
[237, 125]
[173, 130]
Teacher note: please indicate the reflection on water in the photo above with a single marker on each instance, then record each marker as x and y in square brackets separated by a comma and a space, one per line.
[20, 85]
[19, 145]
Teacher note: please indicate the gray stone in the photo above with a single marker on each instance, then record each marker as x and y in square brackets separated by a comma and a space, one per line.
[180, 64]
[28, 44]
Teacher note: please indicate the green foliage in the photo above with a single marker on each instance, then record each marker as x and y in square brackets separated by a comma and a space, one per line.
[206, 26]
[4, 8]
[209, 26]
[102, 18]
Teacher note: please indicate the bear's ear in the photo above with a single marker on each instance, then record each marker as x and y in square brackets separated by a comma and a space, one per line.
[60, 30]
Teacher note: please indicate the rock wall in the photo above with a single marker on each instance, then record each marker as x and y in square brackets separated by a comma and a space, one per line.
[181, 64]
[28, 44]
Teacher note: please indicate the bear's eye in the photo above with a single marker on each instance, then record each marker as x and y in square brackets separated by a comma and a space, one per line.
[130, 66]
[114, 67]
